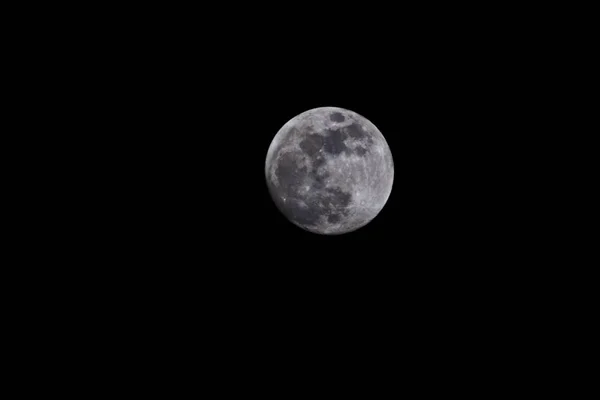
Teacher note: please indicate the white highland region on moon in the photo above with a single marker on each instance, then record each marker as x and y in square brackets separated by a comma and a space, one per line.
[329, 170]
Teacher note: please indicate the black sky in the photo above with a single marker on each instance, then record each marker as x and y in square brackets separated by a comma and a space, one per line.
[189, 253]
[200, 108]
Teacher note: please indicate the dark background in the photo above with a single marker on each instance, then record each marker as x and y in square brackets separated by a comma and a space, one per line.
[200, 108]
[163, 250]
[179, 253]
[187, 234]
[193, 106]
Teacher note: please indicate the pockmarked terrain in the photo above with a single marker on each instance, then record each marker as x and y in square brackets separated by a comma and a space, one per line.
[329, 170]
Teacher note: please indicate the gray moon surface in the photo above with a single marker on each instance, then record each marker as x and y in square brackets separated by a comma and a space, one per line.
[329, 170]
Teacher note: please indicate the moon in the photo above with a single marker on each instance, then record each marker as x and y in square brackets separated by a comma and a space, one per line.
[329, 170]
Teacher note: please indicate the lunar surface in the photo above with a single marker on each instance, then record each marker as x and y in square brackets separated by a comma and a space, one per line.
[329, 170]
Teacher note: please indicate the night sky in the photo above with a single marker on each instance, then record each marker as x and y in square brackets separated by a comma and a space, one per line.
[189, 211]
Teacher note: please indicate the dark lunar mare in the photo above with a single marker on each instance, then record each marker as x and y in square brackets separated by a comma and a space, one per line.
[328, 202]
[336, 117]
[289, 175]
[335, 203]
[331, 203]
[334, 141]
[312, 144]
[361, 151]
[356, 131]
[338, 199]
[307, 216]
[333, 218]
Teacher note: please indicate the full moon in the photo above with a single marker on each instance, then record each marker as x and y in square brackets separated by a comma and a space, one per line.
[329, 170]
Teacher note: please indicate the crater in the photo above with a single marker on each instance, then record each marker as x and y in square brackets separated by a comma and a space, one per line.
[336, 117]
